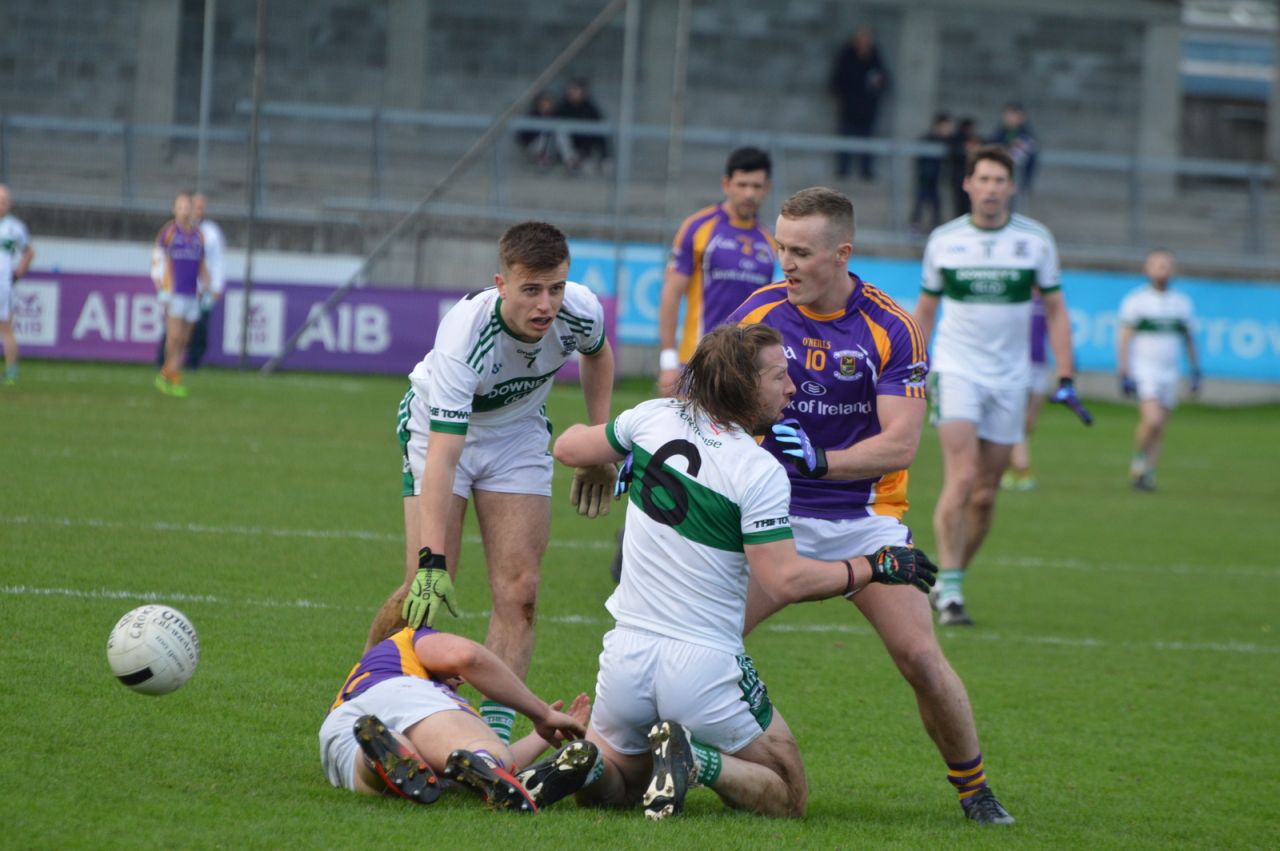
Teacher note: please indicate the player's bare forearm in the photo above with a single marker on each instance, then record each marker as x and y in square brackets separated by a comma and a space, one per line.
[893, 449]
[445, 654]
[925, 313]
[443, 451]
[674, 287]
[28, 254]
[791, 578]
[1193, 357]
[597, 383]
[1122, 349]
[582, 446]
[1058, 325]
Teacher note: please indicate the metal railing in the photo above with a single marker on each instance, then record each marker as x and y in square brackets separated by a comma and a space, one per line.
[322, 160]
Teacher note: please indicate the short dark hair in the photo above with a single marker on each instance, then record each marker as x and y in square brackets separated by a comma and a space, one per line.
[748, 159]
[537, 246]
[821, 201]
[995, 153]
[722, 377]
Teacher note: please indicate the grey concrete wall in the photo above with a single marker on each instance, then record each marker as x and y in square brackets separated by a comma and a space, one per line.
[754, 64]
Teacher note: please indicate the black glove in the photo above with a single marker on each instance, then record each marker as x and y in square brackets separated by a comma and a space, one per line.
[903, 566]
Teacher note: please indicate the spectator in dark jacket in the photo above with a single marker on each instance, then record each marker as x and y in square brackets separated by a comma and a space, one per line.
[858, 79]
[929, 169]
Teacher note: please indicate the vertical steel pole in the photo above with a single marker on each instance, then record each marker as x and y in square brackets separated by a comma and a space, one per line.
[259, 79]
[206, 94]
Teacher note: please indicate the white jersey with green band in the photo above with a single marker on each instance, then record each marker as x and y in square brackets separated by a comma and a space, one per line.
[986, 279]
[14, 240]
[480, 373]
[699, 494]
[1160, 321]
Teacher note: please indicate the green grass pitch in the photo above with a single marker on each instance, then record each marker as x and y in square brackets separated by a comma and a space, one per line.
[1125, 670]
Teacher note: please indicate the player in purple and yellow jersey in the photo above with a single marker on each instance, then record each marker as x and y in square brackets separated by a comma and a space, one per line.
[719, 256]
[409, 724]
[179, 273]
[859, 364]
[1019, 476]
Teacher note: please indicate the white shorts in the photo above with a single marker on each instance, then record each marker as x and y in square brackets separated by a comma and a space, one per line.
[399, 703]
[645, 678]
[999, 413]
[1160, 386]
[1038, 384]
[184, 307]
[510, 458]
[832, 540]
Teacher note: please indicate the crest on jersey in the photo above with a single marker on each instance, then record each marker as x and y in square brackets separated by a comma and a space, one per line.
[915, 378]
[1021, 249]
[568, 343]
[849, 363]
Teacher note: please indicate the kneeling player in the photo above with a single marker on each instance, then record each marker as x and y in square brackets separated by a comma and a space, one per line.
[709, 509]
[397, 722]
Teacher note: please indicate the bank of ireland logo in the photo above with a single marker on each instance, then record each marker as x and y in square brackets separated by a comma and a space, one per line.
[265, 326]
[849, 363]
[813, 388]
[35, 313]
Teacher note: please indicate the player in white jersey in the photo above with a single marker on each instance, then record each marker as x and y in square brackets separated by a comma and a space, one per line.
[472, 427]
[15, 245]
[985, 266]
[1155, 323]
[708, 510]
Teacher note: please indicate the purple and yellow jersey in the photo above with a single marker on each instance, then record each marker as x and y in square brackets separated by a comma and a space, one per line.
[726, 259]
[1039, 330]
[840, 362]
[390, 658]
[183, 250]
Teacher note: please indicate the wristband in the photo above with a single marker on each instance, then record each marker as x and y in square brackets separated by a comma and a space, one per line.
[849, 590]
[668, 359]
[428, 559]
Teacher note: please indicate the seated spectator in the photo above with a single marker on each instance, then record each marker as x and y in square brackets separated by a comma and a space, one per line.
[540, 145]
[583, 148]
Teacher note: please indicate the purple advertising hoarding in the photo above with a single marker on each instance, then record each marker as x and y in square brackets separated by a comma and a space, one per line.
[118, 318]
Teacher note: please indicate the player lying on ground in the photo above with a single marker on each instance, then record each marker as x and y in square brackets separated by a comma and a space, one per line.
[410, 725]
[708, 509]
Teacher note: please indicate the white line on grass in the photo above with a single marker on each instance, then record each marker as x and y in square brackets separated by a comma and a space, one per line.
[1244, 571]
[589, 620]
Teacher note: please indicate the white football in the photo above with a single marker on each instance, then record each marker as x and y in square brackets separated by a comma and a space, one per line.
[153, 649]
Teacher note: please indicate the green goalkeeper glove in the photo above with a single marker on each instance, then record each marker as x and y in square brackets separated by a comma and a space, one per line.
[431, 587]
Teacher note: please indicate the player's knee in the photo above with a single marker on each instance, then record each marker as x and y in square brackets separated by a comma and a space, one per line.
[517, 594]
[983, 497]
[961, 479]
[922, 664]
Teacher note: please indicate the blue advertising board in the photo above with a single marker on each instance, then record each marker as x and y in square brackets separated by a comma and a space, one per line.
[1237, 327]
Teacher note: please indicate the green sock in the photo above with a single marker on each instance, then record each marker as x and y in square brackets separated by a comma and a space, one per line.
[949, 586]
[499, 718]
[708, 761]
